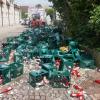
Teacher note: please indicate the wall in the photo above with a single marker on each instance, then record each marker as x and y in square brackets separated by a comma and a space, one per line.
[5, 15]
[17, 16]
[10, 17]
[0, 16]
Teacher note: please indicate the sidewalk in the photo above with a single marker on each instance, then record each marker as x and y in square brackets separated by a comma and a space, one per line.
[91, 87]
[10, 31]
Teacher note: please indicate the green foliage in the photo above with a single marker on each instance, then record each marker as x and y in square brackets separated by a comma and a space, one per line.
[82, 19]
[95, 19]
[24, 15]
[94, 23]
[98, 49]
[50, 12]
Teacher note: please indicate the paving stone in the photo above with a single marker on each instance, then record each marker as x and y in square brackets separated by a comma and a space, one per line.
[37, 97]
[61, 92]
[43, 98]
[97, 96]
[5, 99]
[48, 98]
[37, 93]
[31, 97]
[57, 95]
[93, 97]
[42, 93]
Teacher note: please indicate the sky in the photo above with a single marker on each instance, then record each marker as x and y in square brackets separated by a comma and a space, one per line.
[32, 2]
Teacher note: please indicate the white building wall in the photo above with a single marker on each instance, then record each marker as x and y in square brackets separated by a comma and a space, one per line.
[17, 16]
[5, 15]
[30, 11]
[0, 17]
[10, 16]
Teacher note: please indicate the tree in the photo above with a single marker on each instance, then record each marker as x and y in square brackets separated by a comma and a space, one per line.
[95, 19]
[76, 15]
[95, 25]
[50, 12]
[24, 15]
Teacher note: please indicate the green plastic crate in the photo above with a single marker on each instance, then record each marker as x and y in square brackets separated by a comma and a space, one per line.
[7, 49]
[18, 57]
[68, 60]
[4, 57]
[10, 39]
[5, 72]
[47, 59]
[16, 70]
[87, 61]
[36, 76]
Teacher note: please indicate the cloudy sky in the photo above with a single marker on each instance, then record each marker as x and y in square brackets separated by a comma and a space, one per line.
[32, 2]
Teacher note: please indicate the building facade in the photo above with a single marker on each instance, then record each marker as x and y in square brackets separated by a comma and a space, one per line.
[24, 11]
[41, 11]
[17, 14]
[9, 13]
